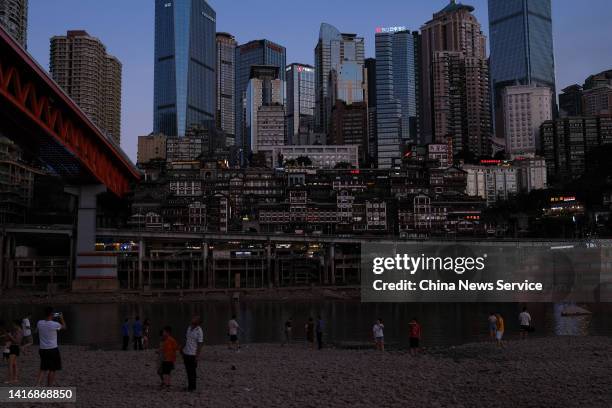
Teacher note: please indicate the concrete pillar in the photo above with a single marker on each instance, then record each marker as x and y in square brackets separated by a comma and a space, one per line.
[2, 266]
[207, 272]
[94, 271]
[332, 264]
[269, 263]
[141, 255]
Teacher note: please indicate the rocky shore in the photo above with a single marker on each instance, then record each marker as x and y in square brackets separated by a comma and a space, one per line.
[539, 372]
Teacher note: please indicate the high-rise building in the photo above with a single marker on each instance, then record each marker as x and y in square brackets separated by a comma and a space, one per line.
[339, 64]
[300, 103]
[397, 74]
[92, 78]
[570, 101]
[597, 101]
[226, 80]
[370, 67]
[566, 142]
[14, 19]
[521, 48]
[257, 52]
[455, 81]
[526, 107]
[349, 125]
[265, 111]
[185, 59]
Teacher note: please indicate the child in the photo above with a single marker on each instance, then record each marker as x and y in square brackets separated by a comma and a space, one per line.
[168, 351]
[16, 337]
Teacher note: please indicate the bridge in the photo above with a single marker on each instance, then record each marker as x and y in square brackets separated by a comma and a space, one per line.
[40, 117]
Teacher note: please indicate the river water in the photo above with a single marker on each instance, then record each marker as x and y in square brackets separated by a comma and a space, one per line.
[98, 325]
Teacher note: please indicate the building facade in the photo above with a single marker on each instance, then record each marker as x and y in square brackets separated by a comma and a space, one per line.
[265, 111]
[91, 77]
[349, 125]
[339, 64]
[257, 52]
[455, 81]
[397, 75]
[566, 142]
[526, 107]
[492, 183]
[151, 147]
[300, 102]
[570, 101]
[185, 63]
[321, 157]
[14, 19]
[226, 80]
[521, 48]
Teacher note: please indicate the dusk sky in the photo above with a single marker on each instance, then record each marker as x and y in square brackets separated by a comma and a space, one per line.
[582, 35]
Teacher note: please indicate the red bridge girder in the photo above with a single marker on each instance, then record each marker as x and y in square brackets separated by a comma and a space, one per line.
[25, 88]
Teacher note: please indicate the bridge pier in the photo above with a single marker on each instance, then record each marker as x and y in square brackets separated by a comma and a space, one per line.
[94, 270]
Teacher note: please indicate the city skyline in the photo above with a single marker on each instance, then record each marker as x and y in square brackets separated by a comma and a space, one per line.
[129, 36]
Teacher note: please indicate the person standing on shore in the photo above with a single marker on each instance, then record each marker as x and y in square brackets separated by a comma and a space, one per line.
[194, 340]
[309, 329]
[414, 336]
[125, 334]
[525, 322]
[499, 330]
[320, 327]
[15, 336]
[232, 328]
[50, 359]
[492, 326]
[137, 333]
[168, 350]
[27, 334]
[288, 329]
[146, 333]
[378, 334]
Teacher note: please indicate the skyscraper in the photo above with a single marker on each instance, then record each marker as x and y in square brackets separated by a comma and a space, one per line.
[339, 64]
[526, 107]
[14, 19]
[370, 67]
[185, 58]
[300, 103]
[455, 81]
[257, 52]
[265, 111]
[226, 80]
[92, 78]
[521, 48]
[397, 95]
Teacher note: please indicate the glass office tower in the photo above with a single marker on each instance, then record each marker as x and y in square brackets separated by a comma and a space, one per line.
[339, 63]
[521, 46]
[300, 103]
[396, 92]
[257, 52]
[185, 58]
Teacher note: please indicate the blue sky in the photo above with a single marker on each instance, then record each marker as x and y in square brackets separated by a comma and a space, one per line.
[582, 35]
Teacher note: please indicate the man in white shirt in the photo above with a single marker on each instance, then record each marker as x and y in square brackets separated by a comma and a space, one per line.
[50, 360]
[27, 340]
[525, 322]
[194, 339]
[232, 329]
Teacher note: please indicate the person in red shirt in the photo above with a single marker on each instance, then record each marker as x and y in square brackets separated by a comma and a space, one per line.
[415, 336]
[168, 350]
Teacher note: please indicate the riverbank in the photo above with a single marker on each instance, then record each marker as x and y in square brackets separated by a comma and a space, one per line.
[21, 296]
[542, 372]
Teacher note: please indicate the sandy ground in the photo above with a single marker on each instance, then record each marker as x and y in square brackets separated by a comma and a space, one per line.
[543, 372]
